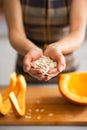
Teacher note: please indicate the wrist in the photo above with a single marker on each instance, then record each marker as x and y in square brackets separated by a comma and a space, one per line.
[20, 43]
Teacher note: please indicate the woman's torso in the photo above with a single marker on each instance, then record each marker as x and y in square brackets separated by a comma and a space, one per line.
[45, 21]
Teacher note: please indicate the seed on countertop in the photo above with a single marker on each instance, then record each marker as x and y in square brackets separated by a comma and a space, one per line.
[38, 117]
[50, 114]
[42, 110]
[38, 101]
[28, 117]
[37, 110]
[29, 110]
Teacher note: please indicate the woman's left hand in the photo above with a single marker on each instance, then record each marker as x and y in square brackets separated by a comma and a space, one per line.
[54, 52]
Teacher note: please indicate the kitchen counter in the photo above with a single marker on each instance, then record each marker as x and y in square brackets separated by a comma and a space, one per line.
[43, 128]
[48, 109]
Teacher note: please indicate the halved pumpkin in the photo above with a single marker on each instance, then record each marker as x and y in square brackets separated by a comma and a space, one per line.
[5, 105]
[18, 102]
[73, 86]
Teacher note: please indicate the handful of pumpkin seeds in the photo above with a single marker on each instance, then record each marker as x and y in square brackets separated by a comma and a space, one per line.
[45, 64]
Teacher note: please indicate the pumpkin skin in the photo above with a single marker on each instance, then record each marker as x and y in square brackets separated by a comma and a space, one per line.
[73, 86]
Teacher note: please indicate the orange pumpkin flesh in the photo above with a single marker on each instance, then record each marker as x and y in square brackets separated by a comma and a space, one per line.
[16, 93]
[74, 86]
[5, 105]
[18, 102]
[11, 87]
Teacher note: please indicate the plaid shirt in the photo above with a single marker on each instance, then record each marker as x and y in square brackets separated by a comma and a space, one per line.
[46, 21]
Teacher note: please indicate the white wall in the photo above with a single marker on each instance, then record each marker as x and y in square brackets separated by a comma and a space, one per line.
[7, 55]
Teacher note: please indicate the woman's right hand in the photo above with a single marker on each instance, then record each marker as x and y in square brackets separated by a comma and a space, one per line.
[33, 54]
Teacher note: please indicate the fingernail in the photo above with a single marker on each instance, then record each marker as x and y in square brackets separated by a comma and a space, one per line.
[61, 69]
[26, 69]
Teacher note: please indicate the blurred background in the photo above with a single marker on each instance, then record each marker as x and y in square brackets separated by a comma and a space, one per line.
[8, 54]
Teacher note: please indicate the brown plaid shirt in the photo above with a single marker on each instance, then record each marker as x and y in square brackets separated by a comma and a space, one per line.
[46, 21]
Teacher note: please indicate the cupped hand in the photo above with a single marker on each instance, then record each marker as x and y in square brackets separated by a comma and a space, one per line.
[34, 54]
[54, 52]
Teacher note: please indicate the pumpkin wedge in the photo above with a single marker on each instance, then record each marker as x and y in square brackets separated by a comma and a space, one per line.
[11, 87]
[73, 86]
[18, 102]
[5, 104]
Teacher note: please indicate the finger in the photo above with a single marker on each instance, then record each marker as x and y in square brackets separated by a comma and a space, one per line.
[58, 57]
[26, 63]
[35, 71]
[47, 78]
[61, 63]
[53, 71]
[38, 76]
[60, 60]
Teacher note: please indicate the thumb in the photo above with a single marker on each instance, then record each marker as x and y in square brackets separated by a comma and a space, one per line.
[61, 62]
[26, 63]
